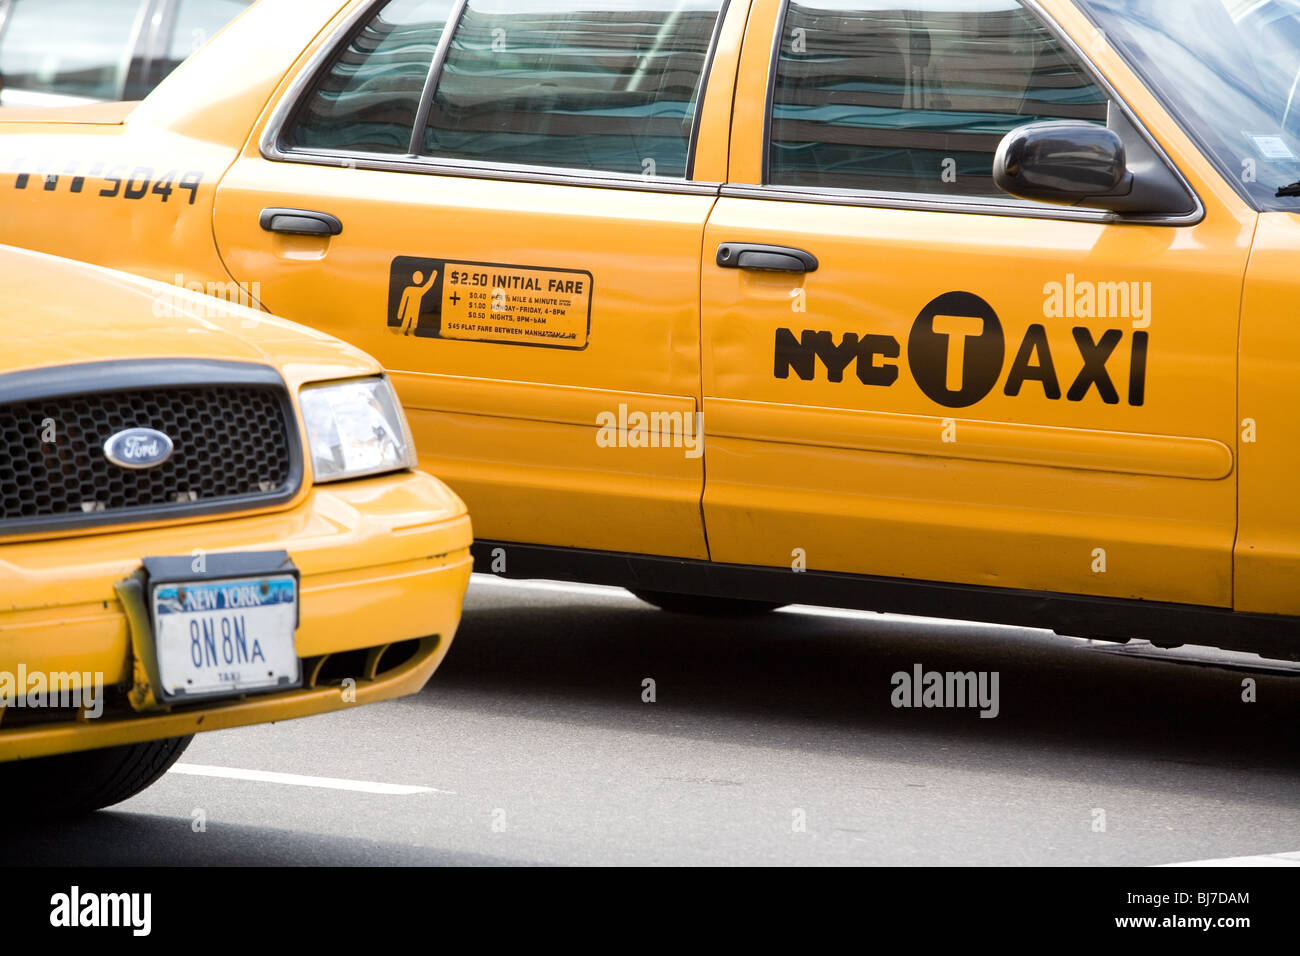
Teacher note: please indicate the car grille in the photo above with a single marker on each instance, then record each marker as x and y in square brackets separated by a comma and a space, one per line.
[235, 446]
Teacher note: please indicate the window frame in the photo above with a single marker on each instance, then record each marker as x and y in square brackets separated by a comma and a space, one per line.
[294, 100]
[936, 202]
[157, 19]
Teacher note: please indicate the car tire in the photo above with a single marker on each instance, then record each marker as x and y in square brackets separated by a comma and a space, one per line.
[68, 785]
[699, 604]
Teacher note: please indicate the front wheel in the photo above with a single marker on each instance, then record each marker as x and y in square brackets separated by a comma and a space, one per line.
[707, 606]
[67, 785]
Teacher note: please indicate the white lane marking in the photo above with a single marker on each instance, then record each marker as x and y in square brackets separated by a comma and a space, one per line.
[1268, 859]
[564, 587]
[298, 780]
[852, 615]
[606, 590]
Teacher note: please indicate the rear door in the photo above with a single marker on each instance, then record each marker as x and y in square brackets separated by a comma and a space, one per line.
[504, 203]
[968, 388]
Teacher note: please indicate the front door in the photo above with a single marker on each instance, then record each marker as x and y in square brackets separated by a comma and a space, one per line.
[968, 388]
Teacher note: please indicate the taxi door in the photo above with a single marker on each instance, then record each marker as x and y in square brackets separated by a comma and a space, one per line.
[526, 265]
[908, 374]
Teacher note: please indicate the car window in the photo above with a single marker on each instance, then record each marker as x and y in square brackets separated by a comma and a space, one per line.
[194, 23]
[75, 48]
[606, 85]
[190, 25]
[914, 95]
[367, 99]
[1229, 71]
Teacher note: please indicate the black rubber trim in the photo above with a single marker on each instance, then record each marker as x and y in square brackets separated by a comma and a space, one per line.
[96, 378]
[1078, 615]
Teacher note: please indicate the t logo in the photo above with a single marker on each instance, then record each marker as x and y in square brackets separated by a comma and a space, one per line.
[958, 328]
[415, 296]
[956, 349]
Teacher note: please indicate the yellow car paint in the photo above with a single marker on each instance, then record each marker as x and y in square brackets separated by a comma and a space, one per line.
[1156, 496]
[383, 560]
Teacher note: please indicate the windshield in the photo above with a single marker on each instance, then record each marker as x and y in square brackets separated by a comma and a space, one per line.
[1229, 71]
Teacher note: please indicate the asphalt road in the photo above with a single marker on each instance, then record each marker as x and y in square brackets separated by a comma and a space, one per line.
[770, 740]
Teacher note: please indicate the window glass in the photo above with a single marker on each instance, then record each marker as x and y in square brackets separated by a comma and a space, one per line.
[1229, 71]
[914, 95]
[608, 85]
[78, 48]
[196, 22]
[368, 98]
[193, 24]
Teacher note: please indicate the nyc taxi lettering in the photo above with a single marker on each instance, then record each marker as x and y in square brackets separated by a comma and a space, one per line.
[119, 181]
[956, 352]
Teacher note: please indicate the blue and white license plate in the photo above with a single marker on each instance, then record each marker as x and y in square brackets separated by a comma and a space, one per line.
[227, 637]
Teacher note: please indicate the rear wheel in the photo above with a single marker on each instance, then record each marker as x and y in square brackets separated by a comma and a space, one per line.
[68, 785]
[707, 606]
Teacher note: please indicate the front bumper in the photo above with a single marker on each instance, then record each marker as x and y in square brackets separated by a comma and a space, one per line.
[384, 565]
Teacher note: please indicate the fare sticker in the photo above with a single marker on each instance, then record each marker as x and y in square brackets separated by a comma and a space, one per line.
[490, 302]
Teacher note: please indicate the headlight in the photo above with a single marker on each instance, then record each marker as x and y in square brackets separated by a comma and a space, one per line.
[355, 428]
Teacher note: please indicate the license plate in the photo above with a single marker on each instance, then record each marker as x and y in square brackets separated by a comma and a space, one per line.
[226, 637]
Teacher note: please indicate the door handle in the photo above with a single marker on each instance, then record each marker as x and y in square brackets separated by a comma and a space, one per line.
[299, 222]
[748, 255]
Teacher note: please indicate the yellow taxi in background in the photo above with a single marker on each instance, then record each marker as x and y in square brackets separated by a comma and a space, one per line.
[208, 518]
[968, 308]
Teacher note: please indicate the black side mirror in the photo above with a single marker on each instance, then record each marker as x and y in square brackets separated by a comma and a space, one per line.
[1084, 164]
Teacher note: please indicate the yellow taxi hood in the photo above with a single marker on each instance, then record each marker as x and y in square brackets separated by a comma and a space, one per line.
[54, 311]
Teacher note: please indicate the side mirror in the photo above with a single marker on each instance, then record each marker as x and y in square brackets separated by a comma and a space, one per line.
[1084, 164]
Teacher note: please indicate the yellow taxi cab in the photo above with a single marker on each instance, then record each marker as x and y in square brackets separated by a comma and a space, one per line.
[209, 518]
[968, 308]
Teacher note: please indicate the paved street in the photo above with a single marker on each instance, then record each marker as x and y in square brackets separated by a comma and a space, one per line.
[770, 740]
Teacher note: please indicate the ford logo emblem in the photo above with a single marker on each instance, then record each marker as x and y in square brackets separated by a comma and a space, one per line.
[138, 448]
